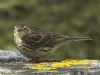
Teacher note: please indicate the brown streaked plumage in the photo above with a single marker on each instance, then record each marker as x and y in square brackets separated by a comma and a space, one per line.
[36, 44]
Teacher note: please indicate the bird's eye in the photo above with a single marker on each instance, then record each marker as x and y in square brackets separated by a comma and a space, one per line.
[25, 28]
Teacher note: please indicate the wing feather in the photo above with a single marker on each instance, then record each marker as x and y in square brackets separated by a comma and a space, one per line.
[38, 39]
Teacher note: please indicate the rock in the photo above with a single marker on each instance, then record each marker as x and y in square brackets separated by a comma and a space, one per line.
[11, 56]
[12, 63]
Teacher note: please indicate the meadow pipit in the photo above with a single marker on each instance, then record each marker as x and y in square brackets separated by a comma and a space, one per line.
[37, 44]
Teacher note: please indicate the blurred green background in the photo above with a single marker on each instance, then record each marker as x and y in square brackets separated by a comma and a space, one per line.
[74, 18]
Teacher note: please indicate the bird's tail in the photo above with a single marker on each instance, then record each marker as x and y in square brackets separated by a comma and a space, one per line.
[79, 38]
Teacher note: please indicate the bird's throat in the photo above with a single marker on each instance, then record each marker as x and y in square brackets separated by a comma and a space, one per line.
[17, 38]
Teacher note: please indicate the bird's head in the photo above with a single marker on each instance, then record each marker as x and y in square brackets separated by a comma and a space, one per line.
[21, 30]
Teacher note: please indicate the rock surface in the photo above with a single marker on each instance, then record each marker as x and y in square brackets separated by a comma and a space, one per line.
[12, 63]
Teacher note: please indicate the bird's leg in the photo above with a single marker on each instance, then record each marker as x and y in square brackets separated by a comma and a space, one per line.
[43, 60]
[51, 60]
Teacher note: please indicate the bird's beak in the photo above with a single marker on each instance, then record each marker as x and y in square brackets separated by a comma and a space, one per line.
[15, 29]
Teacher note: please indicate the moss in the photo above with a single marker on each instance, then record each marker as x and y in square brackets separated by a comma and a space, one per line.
[52, 66]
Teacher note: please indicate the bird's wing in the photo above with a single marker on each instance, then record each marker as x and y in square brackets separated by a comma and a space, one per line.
[54, 40]
[38, 39]
[48, 39]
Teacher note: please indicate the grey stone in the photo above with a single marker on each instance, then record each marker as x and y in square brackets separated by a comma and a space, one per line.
[11, 63]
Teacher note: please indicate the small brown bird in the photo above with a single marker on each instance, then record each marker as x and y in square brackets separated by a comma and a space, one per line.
[36, 44]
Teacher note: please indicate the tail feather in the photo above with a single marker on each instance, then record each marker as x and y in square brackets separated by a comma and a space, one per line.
[79, 38]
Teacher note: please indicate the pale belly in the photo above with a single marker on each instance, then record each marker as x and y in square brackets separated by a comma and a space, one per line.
[35, 54]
